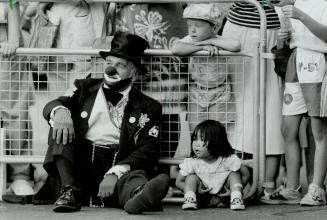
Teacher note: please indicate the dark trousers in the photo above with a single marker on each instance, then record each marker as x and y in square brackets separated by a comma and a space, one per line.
[88, 171]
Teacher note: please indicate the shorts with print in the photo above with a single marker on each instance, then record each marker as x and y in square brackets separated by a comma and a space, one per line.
[305, 84]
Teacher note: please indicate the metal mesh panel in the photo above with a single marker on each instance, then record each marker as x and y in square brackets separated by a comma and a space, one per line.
[184, 86]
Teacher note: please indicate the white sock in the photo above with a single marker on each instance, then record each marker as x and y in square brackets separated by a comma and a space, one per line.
[190, 194]
[235, 194]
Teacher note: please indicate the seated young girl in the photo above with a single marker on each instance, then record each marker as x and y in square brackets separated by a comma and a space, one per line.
[212, 170]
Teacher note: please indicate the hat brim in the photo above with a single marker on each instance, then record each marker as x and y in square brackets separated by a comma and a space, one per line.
[136, 61]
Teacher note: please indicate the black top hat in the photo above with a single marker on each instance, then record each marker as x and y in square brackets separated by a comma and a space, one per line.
[128, 46]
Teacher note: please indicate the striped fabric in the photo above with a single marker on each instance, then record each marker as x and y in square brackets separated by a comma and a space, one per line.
[245, 14]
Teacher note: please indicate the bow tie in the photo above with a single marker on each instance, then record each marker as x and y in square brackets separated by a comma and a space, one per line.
[112, 96]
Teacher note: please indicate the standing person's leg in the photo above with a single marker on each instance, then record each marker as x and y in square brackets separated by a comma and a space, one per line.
[272, 169]
[310, 153]
[137, 194]
[290, 130]
[15, 97]
[316, 193]
[274, 138]
[291, 194]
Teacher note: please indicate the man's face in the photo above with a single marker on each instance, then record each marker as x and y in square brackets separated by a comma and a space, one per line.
[124, 69]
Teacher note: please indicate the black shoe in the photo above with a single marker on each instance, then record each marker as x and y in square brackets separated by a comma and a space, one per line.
[149, 197]
[67, 200]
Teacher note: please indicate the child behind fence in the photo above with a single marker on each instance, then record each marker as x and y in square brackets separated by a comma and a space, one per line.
[210, 92]
[212, 170]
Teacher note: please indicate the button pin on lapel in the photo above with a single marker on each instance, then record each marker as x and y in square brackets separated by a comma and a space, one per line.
[83, 114]
[132, 120]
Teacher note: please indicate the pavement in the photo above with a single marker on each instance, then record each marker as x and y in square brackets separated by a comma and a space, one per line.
[257, 211]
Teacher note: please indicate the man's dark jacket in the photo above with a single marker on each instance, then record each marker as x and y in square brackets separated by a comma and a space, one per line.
[138, 146]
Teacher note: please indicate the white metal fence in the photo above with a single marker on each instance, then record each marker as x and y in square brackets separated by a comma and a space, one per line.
[36, 76]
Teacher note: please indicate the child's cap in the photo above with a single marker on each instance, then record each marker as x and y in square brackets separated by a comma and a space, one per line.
[204, 11]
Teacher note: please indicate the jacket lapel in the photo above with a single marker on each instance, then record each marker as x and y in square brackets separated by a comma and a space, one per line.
[87, 102]
[130, 122]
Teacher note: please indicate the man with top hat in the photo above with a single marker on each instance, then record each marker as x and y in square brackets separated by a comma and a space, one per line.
[103, 140]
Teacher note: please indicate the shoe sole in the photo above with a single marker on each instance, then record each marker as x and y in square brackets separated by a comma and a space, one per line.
[66, 208]
[237, 207]
[280, 202]
[310, 203]
[189, 207]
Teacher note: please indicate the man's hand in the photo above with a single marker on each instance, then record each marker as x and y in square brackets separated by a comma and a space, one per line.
[8, 49]
[107, 186]
[63, 127]
[290, 11]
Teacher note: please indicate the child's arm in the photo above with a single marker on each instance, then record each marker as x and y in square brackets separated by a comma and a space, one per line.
[9, 48]
[182, 49]
[180, 182]
[232, 45]
[245, 174]
[315, 27]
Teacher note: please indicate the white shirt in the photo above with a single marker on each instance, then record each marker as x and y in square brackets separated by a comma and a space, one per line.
[105, 119]
[301, 36]
[213, 175]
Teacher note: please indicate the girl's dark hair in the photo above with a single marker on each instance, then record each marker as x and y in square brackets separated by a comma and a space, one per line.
[215, 136]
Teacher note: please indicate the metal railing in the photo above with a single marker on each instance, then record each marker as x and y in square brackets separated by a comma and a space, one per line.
[258, 162]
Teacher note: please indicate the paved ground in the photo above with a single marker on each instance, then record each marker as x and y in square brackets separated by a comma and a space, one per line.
[44, 212]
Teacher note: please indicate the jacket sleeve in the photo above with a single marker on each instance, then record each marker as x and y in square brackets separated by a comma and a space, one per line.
[147, 145]
[68, 101]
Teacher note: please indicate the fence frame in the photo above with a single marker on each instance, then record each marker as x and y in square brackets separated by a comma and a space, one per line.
[259, 55]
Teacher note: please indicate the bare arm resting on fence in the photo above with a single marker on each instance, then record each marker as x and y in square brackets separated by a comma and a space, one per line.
[8, 48]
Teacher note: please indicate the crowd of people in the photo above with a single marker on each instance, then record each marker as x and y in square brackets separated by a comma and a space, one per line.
[103, 145]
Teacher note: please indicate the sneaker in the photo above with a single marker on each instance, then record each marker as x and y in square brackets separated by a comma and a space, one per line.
[314, 197]
[189, 203]
[21, 188]
[67, 200]
[237, 204]
[150, 196]
[283, 196]
[266, 197]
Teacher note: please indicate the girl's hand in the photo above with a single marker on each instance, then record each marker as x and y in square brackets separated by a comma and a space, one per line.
[283, 34]
[202, 189]
[213, 50]
[290, 11]
[8, 49]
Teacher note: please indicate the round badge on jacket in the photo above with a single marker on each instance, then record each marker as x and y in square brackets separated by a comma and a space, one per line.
[132, 120]
[83, 114]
